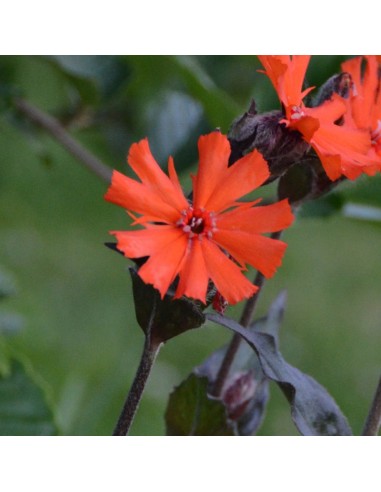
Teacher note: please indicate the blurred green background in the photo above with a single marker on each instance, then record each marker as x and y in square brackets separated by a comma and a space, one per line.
[70, 317]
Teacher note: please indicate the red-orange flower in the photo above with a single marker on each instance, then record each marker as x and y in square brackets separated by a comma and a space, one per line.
[342, 149]
[212, 238]
[365, 101]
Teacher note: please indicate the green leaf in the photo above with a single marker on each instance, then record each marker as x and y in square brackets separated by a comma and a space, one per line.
[23, 408]
[152, 74]
[83, 83]
[190, 412]
[313, 410]
[171, 119]
[218, 105]
[166, 318]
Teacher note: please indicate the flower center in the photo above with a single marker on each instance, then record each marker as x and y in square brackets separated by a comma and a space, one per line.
[197, 222]
[296, 112]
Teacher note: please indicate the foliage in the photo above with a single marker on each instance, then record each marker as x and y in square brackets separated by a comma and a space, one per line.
[72, 315]
[23, 409]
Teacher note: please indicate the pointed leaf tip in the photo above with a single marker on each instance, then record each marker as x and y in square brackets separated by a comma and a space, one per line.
[313, 410]
[23, 407]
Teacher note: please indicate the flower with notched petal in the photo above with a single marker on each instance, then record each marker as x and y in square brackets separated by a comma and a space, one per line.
[212, 238]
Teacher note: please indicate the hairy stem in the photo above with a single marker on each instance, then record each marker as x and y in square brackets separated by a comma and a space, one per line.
[131, 404]
[246, 319]
[373, 421]
[58, 132]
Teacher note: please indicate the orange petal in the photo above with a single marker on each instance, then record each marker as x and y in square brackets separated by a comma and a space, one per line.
[338, 159]
[294, 78]
[331, 164]
[370, 90]
[355, 100]
[346, 141]
[257, 220]
[162, 267]
[145, 166]
[214, 151]
[372, 170]
[131, 195]
[287, 76]
[329, 111]
[261, 252]
[353, 66]
[376, 113]
[241, 178]
[351, 172]
[275, 68]
[226, 275]
[339, 148]
[173, 175]
[363, 99]
[146, 242]
[194, 274]
[307, 126]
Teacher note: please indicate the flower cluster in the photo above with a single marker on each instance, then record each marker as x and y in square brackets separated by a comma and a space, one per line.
[364, 108]
[341, 131]
[198, 246]
[186, 244]
[212, 238]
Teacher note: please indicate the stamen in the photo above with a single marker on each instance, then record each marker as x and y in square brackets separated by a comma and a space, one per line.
[198, 222]
[296, 113]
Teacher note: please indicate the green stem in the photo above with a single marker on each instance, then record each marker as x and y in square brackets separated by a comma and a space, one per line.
[373, 421]
[131, 404]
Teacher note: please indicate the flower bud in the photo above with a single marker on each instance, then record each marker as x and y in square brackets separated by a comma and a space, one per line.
[280, 146]
[305, 181]
[239, 391]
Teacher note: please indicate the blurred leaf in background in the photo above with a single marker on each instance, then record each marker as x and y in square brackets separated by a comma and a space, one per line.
[23, 407]
[74, 295]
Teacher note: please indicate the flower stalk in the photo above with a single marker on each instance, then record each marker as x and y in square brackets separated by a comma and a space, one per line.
[373, 421]
[150, 351]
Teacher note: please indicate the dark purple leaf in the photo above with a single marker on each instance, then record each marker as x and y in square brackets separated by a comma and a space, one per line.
[313, 410]
[164, 318]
